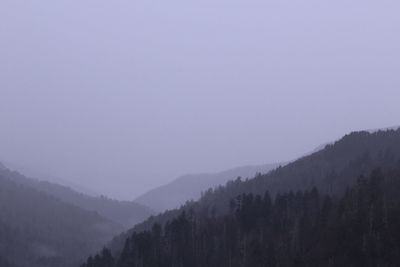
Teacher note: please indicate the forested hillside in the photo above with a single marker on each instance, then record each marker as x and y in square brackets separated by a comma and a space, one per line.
[125, 213]
[39, 230]
[302, 228]
[329, 171]
[189, 187]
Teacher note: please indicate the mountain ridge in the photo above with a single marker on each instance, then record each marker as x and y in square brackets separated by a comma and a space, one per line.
[190, 186]
[40, 230]
[330, 170]
[125, 213]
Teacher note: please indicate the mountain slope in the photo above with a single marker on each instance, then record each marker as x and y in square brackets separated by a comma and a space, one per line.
[189, 187]
[39, 230]
[125, 213]
[331, 170]
[359, 228]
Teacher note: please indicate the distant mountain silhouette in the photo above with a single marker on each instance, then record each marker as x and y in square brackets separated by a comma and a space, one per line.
[125, 213]
[189, 187]
[40, 230]
[43, 175]
[333, 171]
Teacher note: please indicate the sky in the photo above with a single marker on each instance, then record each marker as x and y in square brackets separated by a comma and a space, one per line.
[122, 96]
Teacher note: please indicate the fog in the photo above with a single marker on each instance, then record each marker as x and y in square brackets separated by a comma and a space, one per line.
[122, 96]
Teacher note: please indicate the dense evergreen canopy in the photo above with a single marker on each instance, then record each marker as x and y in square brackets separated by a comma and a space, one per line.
[317, 211]
[305, 228]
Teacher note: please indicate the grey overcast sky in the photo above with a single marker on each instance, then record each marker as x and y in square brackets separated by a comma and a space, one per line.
[121, 96]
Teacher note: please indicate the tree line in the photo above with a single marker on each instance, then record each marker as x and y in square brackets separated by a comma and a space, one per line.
[302, 228]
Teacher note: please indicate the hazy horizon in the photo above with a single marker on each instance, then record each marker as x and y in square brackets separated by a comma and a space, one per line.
[123, 96]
